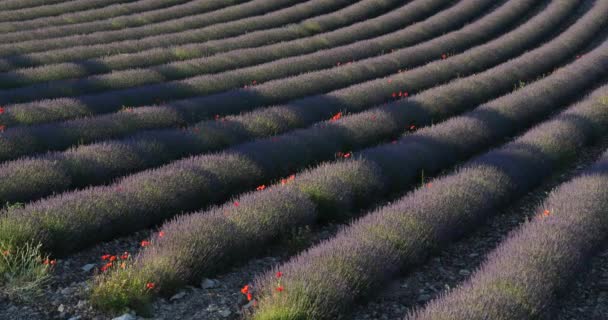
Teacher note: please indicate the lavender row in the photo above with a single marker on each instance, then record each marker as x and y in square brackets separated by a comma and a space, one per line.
[361, 70]
[207, 242]
[276, 21]
[25, 4]
[70, 221]
[520, 278]
[131, 15]
[231, 21]
[326, 280]
[54, 9]
[26, 140]
[55, 172]
[74, 18]
[283, 67]
[187, 63]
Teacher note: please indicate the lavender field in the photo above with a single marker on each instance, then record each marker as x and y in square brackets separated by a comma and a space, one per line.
[304, 159]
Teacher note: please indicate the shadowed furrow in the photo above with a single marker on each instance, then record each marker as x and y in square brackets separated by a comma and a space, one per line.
[337, 190]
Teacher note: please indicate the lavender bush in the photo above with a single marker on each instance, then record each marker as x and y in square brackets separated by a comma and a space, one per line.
[228, 18]
[127, 15]
[64, 223]
[23, 4]
[276, 21]
[53, 9]
[397, 22]
[368, 93]
[101, 162]
[217, 82]
[337, 189]
[520, 278]
[326, 280]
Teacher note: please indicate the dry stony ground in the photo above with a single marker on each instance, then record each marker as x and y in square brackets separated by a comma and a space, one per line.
[220, 298]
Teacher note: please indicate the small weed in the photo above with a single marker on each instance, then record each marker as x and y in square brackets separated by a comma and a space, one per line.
[24, 271]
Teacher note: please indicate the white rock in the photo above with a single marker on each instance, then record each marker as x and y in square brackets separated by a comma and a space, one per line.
[75, 318]
[178, 295]
[61, 308]
[88, 267]
[225, 313]
[209, 283]
[126, 316]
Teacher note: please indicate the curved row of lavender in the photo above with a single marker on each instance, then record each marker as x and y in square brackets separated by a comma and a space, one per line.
[73, 220]
[230, 21]
[190, 68]
[123, 15]
[101, 162]
[55, 172]
[156, 56]
[53, 10]
[386, 28]
[127, 84]
[207, 242]
[520, 278]
[326, 280]
[25, 4]
[27, 140]
[276, 21]
[206, 84]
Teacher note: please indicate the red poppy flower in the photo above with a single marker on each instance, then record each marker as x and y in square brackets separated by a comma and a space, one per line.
[1, 110]
[336, 117]
[105, 257]
[280, 288]
[339, 154]
[249, 297]
[2, 128]
[279, 274]
[347, 155]
[412, 127]
[546, 213]
[125, 256]
[161, 234]
[390, 80]
[405, 94]
[106, 266]
[145, 243]
[394, 95]
[150, 285]
[260, 188]
[245, 289]
[112, 258]
[236, 203]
